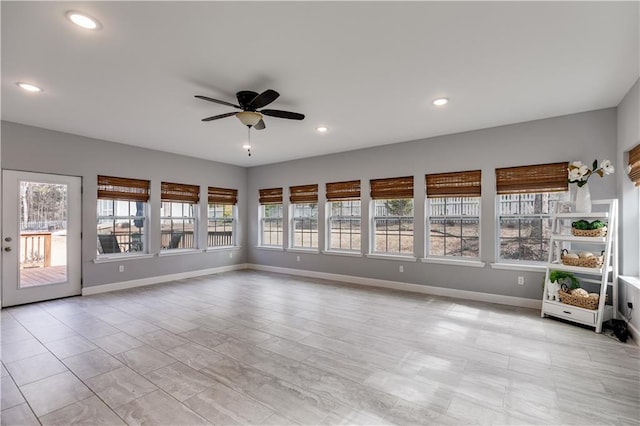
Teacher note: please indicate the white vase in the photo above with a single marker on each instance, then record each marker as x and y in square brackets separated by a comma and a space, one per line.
[583, 199]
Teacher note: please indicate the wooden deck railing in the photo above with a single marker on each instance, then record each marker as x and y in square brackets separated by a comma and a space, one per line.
[35, 249]
[132, 242]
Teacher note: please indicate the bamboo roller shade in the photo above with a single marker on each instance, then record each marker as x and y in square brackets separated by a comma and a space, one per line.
[634, 165]
[271, 196]
[343, 190]
[401, 187]
[115, 188]
[303, 194]
[455, 184]
[530, 179]
[179, 192]
[222, 195]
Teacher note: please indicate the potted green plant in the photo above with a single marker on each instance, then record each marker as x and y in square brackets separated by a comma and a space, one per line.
[557, 279]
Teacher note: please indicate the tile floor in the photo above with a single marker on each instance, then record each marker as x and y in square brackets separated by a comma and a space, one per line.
[257, 348]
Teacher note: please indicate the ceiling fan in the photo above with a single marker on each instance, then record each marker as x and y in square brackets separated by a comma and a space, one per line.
[250, 102]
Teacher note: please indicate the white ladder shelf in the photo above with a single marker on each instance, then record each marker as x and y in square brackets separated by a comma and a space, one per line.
[605, 277]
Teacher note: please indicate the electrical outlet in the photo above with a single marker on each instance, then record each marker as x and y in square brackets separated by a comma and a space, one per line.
[297, 258]
[231, 255]
[121, 268]
[401, 268]
[520, 280]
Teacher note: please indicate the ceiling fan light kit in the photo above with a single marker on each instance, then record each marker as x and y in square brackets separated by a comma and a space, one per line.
[249, 118]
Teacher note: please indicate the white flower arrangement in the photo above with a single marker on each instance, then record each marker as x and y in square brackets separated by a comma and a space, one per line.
[579, 173]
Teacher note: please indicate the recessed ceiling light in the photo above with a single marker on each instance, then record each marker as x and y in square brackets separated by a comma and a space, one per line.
[29, 87]
[83, 21]
[440, 101]
[246, 146]
[322, 129]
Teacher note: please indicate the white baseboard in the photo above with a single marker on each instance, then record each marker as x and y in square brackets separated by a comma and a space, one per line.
[415, 288]
[86, 291]
[635, 334]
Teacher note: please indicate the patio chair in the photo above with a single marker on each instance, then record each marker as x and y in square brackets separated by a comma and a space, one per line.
[175, 241]
[109, 244]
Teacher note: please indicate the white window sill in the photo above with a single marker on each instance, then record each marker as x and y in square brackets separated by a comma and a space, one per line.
[457, 262]
[302, 250]
[122, 257]
[271, 248]
[632, 281]
[397, 257]
[342, 253]
[222, 248]
[518, 267]
[178, 252]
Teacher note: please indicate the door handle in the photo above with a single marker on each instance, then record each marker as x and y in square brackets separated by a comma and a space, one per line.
[7, 249]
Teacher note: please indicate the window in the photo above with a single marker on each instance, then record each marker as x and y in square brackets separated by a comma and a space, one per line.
[221, 214]
[634, 175]
[271, 229]
[453, 209]
[344, 217]
[178, 216]
[526, 200]
[304, 216]
[121, 213]
[634, 165]
[392, 201]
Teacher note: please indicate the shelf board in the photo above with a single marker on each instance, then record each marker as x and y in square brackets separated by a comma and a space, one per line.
[556, 303]
[577, 269]
[573, 238]
[553, 302]
[582, 215]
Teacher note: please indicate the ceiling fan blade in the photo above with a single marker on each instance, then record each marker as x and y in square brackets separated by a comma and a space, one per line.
[264, 99]
[282, 114]
[206, 98]
[260, 125]
[215, 117]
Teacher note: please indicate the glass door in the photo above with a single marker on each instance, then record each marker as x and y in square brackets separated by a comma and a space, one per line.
[41, 237]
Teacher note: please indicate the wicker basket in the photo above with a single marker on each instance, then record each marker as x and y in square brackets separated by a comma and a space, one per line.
[590, 302]
[600, 232]
[585, 262]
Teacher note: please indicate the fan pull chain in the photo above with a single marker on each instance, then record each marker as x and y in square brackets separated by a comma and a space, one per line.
[249, 140]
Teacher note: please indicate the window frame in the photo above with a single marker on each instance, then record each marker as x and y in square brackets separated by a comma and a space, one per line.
[183, 194]
[234, 212]
[112, 190]
[373, 232]
[270, 197]
[329, 225]
[304, 196]
[544, 179]
[454, 188]
[223, 198]
[388, 190]
[343, 192]
[313, 207]
[263, 219]
[562, 196]
[446, 217]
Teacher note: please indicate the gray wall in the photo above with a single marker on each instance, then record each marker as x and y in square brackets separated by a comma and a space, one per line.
[582, 136]
[628, 137]
[35, 149]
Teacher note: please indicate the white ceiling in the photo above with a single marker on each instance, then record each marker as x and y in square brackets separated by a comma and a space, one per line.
[367, 70]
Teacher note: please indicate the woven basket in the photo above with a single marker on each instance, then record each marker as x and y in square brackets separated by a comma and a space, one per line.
[585, 262]
[590, 302]
[600, 232]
